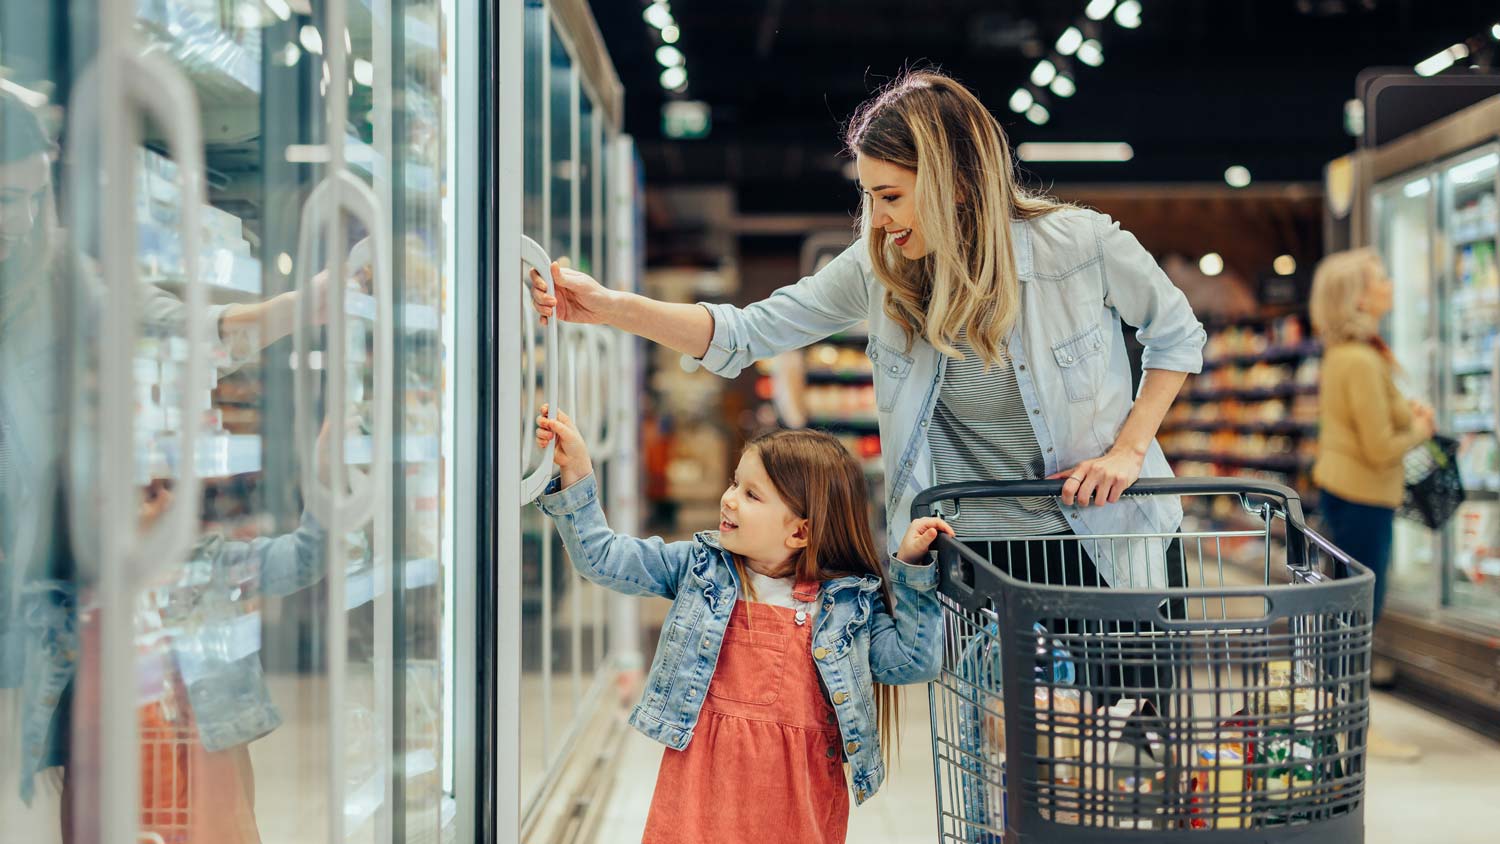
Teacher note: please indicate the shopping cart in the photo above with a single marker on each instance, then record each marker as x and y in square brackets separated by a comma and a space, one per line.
[1225, 698]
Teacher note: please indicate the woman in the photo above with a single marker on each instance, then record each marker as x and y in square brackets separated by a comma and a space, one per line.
[1365, 426]
[995, 329]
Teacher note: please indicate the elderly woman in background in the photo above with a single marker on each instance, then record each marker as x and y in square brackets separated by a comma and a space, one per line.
[1366, 426]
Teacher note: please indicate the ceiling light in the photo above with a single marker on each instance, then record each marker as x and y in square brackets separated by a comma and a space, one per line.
[290, 54]
[1434, 65]
[673, 78]
[1043, 73]
[1128, 14]
[279, 8]
[1495, 32]
[659, 15]
[1420, 187]
[1067, 43]
[1471, 171]
[669, 56]
[1075, 151]
[1237, 176]
[312, 40]
[1098, 9]
[1284, 265]
[1021, 100]
[670, 34]
[1211, 264]
[364, 73]
[1090, 53]
[1038, 114]
[1063, 86]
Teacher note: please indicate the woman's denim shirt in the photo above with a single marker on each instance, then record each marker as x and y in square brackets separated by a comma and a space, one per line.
[1082, 276]
[856, 641]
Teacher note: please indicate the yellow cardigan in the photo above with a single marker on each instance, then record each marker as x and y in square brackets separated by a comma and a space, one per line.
[1365, 427]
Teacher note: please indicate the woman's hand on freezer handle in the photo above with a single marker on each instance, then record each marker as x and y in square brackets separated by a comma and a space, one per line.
[576, 296]
[1101, 480]
[571, 454]
[920, 535]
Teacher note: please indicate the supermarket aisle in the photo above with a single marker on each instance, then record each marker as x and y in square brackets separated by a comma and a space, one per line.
[1447, 796]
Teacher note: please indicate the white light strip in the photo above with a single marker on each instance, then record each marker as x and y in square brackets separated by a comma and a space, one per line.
[1415, 189]
[1471, 171]
[34, 99]
[1075, 151]
[1442, 61]
[1098, 10]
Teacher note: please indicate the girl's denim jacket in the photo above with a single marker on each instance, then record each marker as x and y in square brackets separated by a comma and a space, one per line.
[856, 640]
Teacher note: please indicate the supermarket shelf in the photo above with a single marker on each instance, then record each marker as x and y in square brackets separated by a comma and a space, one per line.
[1292, 428]
[227, 455]
[1272, 355]
[1475, 234]
[1283, 463]
[414, 317]
[1475, 366]
[1482, 495]
[361, 588]
[365, 799]
[1283, 391]
[1473, 423]
[223, 71]
[228, 276]
[827, 377]
[1476, 298]
[853, 426]
[421, 179]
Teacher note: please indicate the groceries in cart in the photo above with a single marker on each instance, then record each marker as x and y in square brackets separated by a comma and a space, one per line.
[1223, 704]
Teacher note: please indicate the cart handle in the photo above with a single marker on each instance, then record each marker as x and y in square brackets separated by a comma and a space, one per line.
[1291, 502]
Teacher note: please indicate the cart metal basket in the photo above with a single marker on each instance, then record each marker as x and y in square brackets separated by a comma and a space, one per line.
[1225, 699]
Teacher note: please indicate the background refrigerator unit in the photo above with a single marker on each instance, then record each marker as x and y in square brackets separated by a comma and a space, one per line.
[1434, 220]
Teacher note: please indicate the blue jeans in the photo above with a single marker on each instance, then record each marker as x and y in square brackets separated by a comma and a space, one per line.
[1363, 531]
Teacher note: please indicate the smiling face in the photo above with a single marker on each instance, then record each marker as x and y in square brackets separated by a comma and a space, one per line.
[23, 187]
[892, 191]
[754, 521]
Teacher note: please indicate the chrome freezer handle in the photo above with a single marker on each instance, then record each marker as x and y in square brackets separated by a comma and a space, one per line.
[532, 485]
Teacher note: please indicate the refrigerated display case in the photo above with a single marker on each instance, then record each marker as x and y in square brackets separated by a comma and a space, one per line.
[247, 417]
[566, 186]
[1434, 221]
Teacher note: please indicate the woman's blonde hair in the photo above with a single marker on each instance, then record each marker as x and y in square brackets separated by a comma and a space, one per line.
[966, 197]
[820, 481]
[1338, 287]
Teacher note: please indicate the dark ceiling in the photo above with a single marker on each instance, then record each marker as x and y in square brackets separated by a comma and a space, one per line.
[1199, 86]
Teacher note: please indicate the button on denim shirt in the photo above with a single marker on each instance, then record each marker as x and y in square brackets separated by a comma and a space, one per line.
[1082, 276]
[856, 641]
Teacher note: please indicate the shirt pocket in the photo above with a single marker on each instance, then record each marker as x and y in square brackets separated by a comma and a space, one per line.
[1080, 359]
[753, 672]
[891, 367]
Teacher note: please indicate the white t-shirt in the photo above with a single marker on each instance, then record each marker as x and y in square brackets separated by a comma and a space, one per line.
[777, 591]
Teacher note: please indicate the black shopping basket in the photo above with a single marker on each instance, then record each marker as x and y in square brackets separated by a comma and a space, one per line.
[1214, 687]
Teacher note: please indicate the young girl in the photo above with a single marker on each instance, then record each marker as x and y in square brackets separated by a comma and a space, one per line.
[784, 641]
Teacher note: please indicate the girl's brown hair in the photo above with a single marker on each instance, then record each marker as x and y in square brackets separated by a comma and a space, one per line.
[820, 481]
[966, 198]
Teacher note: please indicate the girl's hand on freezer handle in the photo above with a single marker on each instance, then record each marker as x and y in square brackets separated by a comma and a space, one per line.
[571, 454]
[920, 535]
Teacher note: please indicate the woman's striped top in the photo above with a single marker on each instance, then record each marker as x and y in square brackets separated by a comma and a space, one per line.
[979, 432]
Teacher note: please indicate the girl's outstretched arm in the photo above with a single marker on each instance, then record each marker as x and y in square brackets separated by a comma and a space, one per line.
[906, 643]
[622, 563]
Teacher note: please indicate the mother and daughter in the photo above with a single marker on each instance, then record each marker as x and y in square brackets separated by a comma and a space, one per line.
[995, 322]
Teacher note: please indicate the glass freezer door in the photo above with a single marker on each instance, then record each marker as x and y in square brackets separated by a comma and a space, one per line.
[1404, 219]
[1470, 222]
[222, 613]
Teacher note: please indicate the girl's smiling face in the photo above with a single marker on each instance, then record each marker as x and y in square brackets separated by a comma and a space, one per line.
[754, 521]
[891, 190]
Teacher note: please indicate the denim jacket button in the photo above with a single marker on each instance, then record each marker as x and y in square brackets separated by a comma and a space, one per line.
[820, 653]
[706, 642]
[852, 747]
[839, 698]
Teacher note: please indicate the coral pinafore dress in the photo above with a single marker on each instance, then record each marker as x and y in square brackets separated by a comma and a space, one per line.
[765, 762]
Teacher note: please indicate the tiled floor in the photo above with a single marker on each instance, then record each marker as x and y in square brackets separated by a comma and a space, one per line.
[1451, 795]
